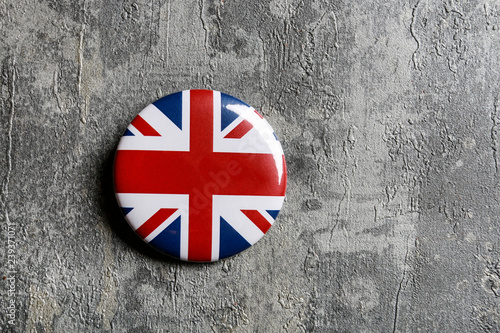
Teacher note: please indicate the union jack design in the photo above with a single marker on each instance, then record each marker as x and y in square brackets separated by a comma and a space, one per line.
[200, 175]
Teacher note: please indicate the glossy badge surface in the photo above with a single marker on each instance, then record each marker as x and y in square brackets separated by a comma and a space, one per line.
[200, 175]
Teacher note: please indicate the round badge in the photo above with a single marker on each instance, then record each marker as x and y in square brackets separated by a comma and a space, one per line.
[200, 175]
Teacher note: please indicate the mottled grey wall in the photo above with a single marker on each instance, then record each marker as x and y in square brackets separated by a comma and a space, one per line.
[389, 115]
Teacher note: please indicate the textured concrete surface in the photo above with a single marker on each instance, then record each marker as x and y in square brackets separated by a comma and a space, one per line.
[389, 114]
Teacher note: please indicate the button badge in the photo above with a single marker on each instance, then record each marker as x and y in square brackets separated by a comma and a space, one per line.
[200, 175]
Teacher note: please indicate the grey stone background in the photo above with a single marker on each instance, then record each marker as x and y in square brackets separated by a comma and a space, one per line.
[389, 115]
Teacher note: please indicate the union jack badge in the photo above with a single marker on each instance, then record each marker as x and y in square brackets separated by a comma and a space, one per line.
[200, 175]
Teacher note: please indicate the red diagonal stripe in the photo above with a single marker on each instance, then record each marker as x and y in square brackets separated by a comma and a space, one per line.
[154, 221]
[257, 218]
[143, 127]
[239, 131]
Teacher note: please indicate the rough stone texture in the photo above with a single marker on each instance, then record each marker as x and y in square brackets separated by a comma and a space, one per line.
[389, 114]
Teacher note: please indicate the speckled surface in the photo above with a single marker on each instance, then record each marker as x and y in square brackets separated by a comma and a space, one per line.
[389, 115]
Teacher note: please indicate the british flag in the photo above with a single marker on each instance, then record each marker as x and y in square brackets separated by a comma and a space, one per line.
[200, 175]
